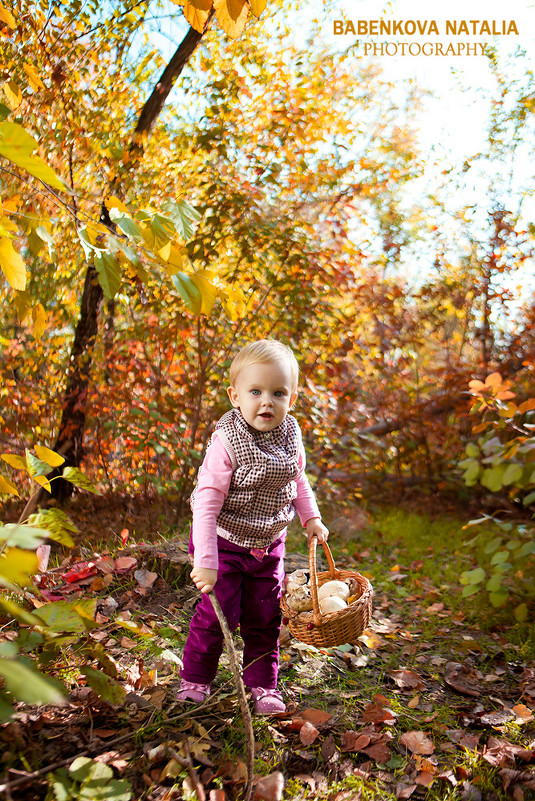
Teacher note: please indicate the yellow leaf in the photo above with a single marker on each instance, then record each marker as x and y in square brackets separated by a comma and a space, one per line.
[44, 482]
[18, 462]
[39, 317]
[165, 252]
[23, 305]
[257, 6]
[13, 94]
[12, 265]
[7, 487]
[197, 13]
[48, 456]
[16, 566]
[34, 79]
[113, 202]
[7, 17]
[231, 15]
[7, 227]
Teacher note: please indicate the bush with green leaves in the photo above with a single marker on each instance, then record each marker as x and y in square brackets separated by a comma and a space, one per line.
[87, 780]
[502, 460]
[41, 636]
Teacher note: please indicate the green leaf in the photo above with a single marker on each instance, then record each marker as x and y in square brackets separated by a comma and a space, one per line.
[6, 708]
[528, 499]
[499, 556]
[57, 525]
[472, 471]
[109, 273]
[70, 616]
[470, 589]
[475, 576]
[498, 599]
[183, 215]
[493, 544]
[472, 450]
[29, 685]
[513, 473]
[35, 466]
[521, 613]
[84, 768]
[527, 548]
[79, 479]
[17, 145]
[104, 685]
[189, 292]
[20, 536]
[492, 478]
[19, 613]
[494, 583]
[126, 224]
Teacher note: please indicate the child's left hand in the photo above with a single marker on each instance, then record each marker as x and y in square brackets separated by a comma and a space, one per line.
[315, 528]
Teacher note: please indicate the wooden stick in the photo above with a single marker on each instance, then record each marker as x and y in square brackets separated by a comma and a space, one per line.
[240, 689]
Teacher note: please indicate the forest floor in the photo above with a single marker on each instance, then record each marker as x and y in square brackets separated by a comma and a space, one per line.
[435, 702]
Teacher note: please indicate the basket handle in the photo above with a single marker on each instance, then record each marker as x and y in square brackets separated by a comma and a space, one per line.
[333, 573]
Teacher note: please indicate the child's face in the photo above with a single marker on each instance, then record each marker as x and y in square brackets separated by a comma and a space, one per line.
[263, 392]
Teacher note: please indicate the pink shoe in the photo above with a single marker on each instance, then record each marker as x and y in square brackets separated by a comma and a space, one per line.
[267, 702]
[190, 691]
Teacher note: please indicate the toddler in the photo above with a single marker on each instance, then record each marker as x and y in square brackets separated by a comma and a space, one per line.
[250, 485]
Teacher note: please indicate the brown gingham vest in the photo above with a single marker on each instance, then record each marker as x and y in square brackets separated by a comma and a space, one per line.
[259, 504]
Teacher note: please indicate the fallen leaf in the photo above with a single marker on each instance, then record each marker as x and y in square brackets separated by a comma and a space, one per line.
[316, 716]
[462, 678]
[124, 563]
[405, 790]
[269, 788]
[145, 578]
[407, 679]
[353, 741]
[375, 713]
[379, 752]
[308, 733]
[523, 714]
[425, 778]
[417, 742]
[413, 703]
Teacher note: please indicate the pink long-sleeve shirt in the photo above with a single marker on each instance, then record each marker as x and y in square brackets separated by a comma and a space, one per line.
[213, 484]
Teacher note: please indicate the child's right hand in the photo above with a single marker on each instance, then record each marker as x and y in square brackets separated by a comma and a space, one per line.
[204, 578]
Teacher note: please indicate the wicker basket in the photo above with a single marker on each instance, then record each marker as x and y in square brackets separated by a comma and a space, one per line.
[336, 628]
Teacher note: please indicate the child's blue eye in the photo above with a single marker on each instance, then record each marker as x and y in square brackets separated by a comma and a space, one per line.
[255, 392]
[279, 393]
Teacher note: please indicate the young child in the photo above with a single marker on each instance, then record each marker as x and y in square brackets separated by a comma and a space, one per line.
[250, 485]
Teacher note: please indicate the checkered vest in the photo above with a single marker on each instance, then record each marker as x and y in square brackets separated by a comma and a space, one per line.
[259, 504]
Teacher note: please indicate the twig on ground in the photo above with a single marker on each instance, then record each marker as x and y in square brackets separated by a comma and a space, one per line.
[240, 689]
[188, 765]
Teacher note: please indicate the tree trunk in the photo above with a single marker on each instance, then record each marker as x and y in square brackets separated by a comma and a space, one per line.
[73, 417]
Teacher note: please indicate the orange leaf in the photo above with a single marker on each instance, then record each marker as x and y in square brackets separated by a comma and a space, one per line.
[493, 380]
[231, 15]
[527, 406]
[197, 13]
[316, 716]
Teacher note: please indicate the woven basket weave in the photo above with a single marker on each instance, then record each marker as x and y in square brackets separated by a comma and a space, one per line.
[336, 628]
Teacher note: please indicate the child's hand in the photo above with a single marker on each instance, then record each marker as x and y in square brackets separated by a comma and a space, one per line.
[315, 528]
[204, 578]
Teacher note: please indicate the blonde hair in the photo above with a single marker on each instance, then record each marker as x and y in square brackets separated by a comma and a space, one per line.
[264, 351]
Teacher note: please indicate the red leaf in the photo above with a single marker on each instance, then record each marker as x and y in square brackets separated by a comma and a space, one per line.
[353, 741]
[379, 752]
[80, 571]
[124, 563]
[124, 535]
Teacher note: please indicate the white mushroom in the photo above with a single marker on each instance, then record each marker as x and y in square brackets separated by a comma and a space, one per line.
[333, 603]
[300, 600]
[334, 587]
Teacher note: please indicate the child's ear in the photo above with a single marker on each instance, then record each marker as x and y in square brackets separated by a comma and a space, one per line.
[233, 396]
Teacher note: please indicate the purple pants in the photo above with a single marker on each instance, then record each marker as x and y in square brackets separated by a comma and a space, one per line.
[248, 591]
